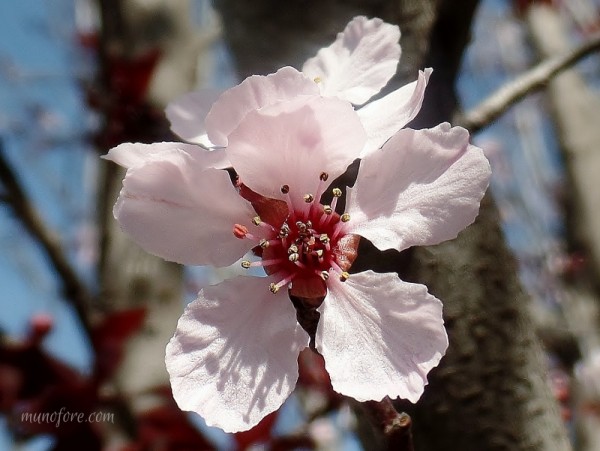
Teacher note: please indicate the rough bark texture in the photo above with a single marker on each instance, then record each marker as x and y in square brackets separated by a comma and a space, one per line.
[489, 392]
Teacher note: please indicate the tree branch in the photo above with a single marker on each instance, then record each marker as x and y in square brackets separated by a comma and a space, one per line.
[536, 78]
[73, 288]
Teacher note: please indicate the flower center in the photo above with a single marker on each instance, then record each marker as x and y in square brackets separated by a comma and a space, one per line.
[307, 247]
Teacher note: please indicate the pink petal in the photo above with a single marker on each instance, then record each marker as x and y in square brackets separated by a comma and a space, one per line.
[177, 209]
[359, 63]
[380, 336]
[131, 155]
[293, 142]
[422, 188]
[253, 93]
[188, 112]
[384, 117]
[233, 358]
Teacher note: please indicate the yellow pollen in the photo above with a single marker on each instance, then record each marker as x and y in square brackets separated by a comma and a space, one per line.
[337, 192]
[345, 217]
[344, 276]
[256, 220]
[273, 288]
[327, 209]
[317, 79]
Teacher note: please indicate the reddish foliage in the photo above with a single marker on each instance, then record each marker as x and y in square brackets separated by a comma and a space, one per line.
[166, 428]
[261, 433]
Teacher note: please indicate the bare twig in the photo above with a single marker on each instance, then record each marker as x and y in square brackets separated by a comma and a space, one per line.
[535, 78]
[395, 426]
[73, 288]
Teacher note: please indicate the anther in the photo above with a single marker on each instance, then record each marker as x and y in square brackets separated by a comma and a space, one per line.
[273, 288]
[317, 79]
[256, 220]
[345, 217]
[264, 243]
[285, 189]
[309, 223]
[336, 192]
[240, 231]
[324, 238]
[344, 276]
[245, 264]
[327, 209]
[284, 231]
[323, 176]
[319, 253]
[308, 198]
[301, 226]
[293, 257]
[293, 249]
[324, 275]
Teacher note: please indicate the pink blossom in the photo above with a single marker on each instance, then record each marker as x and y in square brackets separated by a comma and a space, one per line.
[233, 358]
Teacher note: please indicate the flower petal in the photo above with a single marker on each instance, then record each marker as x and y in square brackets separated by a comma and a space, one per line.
[293, 142]
[384, 117]
[422, 188]
[234, 356]
[188, 112]
[253, 93]
[359, 63]
[131, 155]
[177, 209]
[380, 336]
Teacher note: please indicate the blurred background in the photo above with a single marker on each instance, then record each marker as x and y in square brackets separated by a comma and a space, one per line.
[85, 315]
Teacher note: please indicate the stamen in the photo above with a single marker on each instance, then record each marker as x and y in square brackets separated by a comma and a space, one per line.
[324, 275]
[293, 257]
[256, 220]
[327, 209]
[264, 243]
[344, 276]
[324, 238]
[317, 80]
[324, 176]
[345, 217]
[308, 198]
[274, 287]
[293, 249]
[248, 264]
[336, 192]
[285, 189]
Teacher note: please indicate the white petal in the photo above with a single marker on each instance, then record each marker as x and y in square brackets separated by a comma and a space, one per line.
[380, 336]
[384, 117]
[131, 155]
[188, 112]
[253, 93]
[422, 188]
[293, 142]
[359, 63]
[233, 358]
[177, 209]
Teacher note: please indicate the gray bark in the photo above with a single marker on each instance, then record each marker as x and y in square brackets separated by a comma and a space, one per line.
[575, 110]
[490, 391]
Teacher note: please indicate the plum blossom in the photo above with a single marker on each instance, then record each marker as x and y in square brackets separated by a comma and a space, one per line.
[287, 137]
